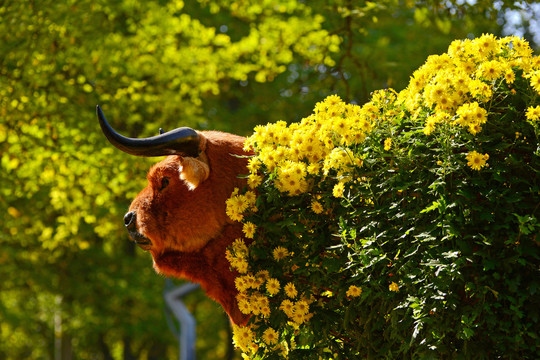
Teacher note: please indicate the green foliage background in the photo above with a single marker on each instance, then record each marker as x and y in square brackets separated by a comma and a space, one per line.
[72, 285]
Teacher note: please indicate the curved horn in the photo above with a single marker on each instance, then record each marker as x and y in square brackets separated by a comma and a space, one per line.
[181, 141]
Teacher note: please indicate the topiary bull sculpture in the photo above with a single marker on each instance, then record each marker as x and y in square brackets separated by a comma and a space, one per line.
[404, 228]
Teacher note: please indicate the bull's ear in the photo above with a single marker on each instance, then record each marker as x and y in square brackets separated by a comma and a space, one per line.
[194, 170]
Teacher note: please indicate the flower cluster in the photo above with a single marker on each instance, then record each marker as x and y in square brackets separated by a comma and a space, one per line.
[259, 296]
[237, 256]
[455, 84]
[237, 204]
[318, 143]
[362, 211]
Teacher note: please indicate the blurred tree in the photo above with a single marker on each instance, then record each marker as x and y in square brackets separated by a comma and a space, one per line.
[71, 282]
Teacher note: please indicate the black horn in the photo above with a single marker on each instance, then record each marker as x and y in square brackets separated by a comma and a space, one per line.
[181, 141]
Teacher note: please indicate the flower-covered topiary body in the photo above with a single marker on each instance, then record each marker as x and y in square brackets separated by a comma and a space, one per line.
[404, 227]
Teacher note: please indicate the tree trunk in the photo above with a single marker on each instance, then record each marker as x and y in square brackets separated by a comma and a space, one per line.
[105, 351]
[128, 355]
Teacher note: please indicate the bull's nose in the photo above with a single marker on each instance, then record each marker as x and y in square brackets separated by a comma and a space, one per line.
[129, 219]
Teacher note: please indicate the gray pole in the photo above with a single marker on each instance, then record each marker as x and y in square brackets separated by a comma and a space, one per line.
[173, 299]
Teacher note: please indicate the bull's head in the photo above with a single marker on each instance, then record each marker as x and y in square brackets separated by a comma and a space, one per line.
[180, 216]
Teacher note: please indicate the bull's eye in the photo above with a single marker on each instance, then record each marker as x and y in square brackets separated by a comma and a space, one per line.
[164, 183]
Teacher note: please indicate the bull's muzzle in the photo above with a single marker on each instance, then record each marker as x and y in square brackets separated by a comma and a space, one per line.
[130, 221]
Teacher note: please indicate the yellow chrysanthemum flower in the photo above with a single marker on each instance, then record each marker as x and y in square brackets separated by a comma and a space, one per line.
[339, 159]
[301, 307]
[354, 291]
[287, 306]
[237, 256]
[241, 266]
[253, 164]
[387, 144]
[435, 92]
[254, 180]
[471, 115]
[273, 286]
[535, 81]
[249, 229]
[476, 160]
[292, 178]
[280, 253]
[243, 337]
[290, 290]
[299, 318]
[393, 287]
[244, 306]
[509, 76]
[240, 248]
[252, 281]
[314, 168]
[338, 189]
[486, 44]
[316, 207]
[265, 311]
[533, 113]
[261, 302]
[491, 70]
[241, 284]
[236, 206]
[270, 336]
[333, 100]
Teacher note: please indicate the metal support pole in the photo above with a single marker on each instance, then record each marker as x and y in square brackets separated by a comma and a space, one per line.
[173, 299]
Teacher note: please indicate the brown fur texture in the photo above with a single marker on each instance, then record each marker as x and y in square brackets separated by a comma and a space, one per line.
[209, 267]
[182, 212]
